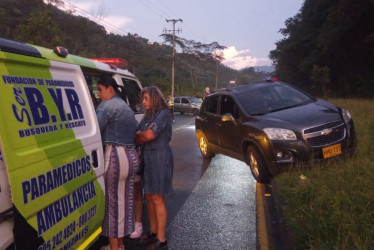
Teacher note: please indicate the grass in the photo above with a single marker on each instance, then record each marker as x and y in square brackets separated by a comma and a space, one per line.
[333, 207]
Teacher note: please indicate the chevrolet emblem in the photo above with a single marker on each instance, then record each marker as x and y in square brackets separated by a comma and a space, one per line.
[326, 131]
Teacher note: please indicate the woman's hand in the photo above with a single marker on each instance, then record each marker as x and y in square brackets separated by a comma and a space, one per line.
[144, 136]
[137, 139]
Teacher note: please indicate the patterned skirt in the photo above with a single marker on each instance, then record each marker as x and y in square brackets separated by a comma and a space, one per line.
[121, 164]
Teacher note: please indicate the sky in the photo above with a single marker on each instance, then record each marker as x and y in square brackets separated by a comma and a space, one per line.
[248, 28]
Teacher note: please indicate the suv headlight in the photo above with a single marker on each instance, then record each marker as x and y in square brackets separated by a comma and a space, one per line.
[279, 134]
[346, 115]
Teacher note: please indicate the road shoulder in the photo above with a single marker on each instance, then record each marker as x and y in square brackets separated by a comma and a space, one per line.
[271, 230]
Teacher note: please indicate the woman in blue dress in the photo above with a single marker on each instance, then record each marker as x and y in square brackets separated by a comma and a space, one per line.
[154, 134]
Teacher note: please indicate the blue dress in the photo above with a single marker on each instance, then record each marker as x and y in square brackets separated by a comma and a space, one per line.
[157, 155]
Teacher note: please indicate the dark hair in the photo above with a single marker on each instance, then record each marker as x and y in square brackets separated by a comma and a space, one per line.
[157, 100]
[107, 81]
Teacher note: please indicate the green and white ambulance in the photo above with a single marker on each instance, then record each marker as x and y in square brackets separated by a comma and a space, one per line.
[51, 154]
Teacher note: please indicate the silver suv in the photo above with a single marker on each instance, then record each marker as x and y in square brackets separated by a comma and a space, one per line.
[187, 104]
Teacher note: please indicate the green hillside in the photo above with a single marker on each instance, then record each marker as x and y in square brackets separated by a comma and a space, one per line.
[48, 26]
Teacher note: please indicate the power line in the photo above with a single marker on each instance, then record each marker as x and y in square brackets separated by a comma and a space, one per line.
[156, 11]
[103, 22]
[166, 7]
[67, 5]
[157, 7]
[167, 10]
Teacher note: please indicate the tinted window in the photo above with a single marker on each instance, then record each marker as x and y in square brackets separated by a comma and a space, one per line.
[228, 105]
[212, 104]
[184, 100]
[131, 94]
[272, 98]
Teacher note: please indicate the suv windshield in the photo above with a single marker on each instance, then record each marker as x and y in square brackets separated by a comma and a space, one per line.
[272, 98]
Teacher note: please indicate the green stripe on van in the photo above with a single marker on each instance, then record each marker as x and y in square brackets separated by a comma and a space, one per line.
[49, 54]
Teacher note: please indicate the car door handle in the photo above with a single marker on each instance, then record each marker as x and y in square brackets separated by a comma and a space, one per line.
[95, 163]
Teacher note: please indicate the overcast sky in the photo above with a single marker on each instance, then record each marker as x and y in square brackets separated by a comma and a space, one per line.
[248, 28]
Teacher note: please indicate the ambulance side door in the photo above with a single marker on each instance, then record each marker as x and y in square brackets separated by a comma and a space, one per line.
[53, 153]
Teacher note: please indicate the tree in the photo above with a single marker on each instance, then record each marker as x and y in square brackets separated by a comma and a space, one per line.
[321, 75]
[338, 34]
[40, 29]
[200, 52]
[13, 13]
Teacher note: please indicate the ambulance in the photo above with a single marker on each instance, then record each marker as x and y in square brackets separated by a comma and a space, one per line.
[52, 193]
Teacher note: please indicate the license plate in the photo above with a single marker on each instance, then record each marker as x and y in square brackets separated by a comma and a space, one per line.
[332, 151]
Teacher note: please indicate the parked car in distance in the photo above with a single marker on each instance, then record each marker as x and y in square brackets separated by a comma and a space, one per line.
[272, 126]
[187, 104]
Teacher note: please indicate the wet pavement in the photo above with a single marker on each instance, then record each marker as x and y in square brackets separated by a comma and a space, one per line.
[214, 201]
[220, 213]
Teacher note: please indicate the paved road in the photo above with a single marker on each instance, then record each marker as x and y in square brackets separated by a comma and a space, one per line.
[220, 212]
[214, 202]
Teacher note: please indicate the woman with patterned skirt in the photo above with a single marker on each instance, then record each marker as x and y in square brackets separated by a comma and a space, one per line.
[118, 127]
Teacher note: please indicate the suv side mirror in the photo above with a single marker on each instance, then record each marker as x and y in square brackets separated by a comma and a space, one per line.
[228, 118]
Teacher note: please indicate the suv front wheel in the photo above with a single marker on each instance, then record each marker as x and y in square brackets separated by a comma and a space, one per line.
[257, 165]
[205, 150]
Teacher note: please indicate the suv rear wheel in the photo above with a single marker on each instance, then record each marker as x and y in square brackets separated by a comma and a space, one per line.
[206, 152]
[257, 165]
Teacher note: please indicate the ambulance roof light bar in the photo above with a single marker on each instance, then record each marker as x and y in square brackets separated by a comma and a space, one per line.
[117, 62]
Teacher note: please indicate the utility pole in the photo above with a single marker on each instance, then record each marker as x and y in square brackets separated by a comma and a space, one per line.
[217, 75]
[218, 56]
[172, 65]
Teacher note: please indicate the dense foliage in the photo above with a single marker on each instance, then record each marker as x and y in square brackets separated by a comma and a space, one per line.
[328, 48]
[195, 64]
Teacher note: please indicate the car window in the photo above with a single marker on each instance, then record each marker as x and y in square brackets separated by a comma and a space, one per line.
[194, 100]
[177, 100]
[131, 94]
[228, 105]
[212, 104]
[272, 98]
[184, 100]
[92, 86]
